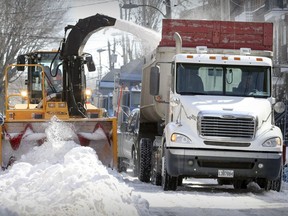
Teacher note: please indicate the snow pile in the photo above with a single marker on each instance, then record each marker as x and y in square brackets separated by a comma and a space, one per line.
[63, 178]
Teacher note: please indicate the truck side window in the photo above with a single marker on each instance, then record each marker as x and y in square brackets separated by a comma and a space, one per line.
[188, 80]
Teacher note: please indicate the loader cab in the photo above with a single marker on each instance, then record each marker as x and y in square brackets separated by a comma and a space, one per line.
[51, 69]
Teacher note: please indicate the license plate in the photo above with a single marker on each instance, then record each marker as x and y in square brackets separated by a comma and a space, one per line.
[226, 173]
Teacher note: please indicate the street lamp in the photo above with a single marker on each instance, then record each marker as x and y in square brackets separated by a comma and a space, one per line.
[99, 76]
[131, 6]
[100, 69]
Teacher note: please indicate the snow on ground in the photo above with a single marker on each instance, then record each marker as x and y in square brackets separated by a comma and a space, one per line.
[204, 197]
[64, 179]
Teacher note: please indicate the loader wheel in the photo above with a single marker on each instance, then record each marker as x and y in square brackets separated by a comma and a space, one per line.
[168, 182]
[145, 156]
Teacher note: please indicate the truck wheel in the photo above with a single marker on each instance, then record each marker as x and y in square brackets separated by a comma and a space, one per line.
[277, 183]
[168, 182]
[240, 184]
[134, 164]
[180, 180]
[271, 184]
[122, 167]
[156, 177]
[145, 154]
[224, 181]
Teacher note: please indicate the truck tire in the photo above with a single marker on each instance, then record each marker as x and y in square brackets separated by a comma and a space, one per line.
[239, 184]
[156, 177]
[135, 165]
[224, 181]
[271, 184]
[145, 156]
[180, 180]
[122, 166]
[168, 182]
[277, 183]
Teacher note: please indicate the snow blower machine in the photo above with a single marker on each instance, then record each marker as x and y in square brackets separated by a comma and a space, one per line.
[53, 85]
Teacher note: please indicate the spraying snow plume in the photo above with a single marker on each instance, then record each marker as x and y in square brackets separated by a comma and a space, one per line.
[148, 35]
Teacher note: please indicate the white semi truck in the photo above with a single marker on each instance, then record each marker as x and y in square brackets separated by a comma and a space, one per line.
[207, 109]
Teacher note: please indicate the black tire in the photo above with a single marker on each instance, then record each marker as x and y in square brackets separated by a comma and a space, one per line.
[180, 180]
[145, 156]
[168, 182]
[135, 165]
[285, 177]
[277, 183]
[156, 177]
[122, 167]
[272, 184]
[224, 181]
[240, 184]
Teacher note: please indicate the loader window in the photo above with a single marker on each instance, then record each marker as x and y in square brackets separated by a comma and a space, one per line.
[53, 75]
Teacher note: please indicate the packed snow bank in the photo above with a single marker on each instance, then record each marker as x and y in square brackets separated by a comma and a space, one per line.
[63, 178]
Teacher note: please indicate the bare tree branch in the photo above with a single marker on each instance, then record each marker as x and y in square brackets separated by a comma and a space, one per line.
[27, 25]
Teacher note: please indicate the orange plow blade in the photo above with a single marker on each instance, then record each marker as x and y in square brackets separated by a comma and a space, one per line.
[99, 134]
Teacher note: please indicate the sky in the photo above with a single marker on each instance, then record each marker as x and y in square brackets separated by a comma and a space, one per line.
[99, 39]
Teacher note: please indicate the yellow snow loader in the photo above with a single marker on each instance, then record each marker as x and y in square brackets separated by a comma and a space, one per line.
[52, 84]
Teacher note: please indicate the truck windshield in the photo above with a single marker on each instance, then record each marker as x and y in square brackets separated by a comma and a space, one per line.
[230, 80]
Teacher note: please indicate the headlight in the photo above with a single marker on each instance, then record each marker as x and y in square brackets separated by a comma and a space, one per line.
[180, 138]
[88, 93]
[24, 93]
[273, 142]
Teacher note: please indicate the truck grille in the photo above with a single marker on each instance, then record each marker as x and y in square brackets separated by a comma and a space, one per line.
[238, 127]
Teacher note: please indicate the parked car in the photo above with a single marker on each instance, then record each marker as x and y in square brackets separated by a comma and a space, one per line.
[127, 137]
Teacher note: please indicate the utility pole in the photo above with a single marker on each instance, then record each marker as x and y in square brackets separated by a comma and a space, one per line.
[144, 21]
[123, 39]
[225, 10]
[168, 9]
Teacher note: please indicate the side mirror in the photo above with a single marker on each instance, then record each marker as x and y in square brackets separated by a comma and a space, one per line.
[20, 60]
[90, 64]
[279, 107]
[154, 80]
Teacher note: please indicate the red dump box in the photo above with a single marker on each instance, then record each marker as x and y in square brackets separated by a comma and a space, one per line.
[218, 34]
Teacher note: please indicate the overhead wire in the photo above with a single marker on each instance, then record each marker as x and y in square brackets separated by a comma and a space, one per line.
[68, 7]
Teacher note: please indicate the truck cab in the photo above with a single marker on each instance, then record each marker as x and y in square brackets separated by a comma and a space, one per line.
[207, 109]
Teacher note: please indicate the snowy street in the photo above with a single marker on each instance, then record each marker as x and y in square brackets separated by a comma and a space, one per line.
[61, 178]
[206, 197]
